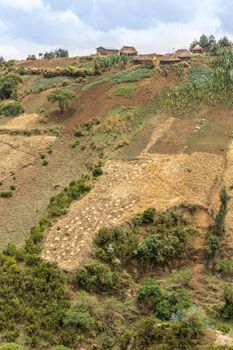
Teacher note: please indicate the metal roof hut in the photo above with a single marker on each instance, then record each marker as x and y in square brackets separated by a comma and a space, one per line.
[106, 51]
[197, 49]
[128, 51]
[169, 59]
[183, 54]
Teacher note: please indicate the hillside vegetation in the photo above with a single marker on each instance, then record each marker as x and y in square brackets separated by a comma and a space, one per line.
[116, 205]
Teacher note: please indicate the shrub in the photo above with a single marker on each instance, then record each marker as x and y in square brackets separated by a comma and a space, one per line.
[97, 171]
[45, 162]
[116, 245]
[163, 304]
[225, 267]
[11, 108]
[10, 346]
[79, 316]
[13, 187]
[182, 277]
[96, 277]
[6, 194]
[60, 347]
[223, 327]
[227, 310]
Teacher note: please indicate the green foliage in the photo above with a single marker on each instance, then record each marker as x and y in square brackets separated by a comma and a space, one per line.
[126, 91]
[182, 277]
[223, 327]
[11, 108]
[41, 84]
[218, 229]
[177, 335]
[59, 204]
[164, 237]
[96, 277]
[97, 171]
[33, 297]
[116, 245]
[101, 63]
[79, 316]
[225, 268]
[223, 70]
[163, 304]
[10, 346]
[126, 76]
[60, 347]
[8, 86]
[6, 194]
[227, 310]
[168, 240]
[63, 97]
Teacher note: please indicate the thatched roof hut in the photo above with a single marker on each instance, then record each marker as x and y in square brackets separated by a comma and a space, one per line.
[128, 51]
[106, 51]
[141, 59]
[170, 58]
[183, 54]
[197, 49]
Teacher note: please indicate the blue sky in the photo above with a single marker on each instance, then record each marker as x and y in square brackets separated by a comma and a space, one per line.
[32, 26]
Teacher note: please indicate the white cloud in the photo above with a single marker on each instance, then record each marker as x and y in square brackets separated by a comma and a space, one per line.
[66, 29]
[24, 5]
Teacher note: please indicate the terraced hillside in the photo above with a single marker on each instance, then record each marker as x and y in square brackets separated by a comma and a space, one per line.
[117, 215]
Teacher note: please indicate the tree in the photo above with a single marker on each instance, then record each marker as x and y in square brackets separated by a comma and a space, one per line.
[61, 53]
[223, 68]
[49, 55]
[63, 97]
[8, 85]
[212, 40]
[31, 58]
[203, 40]
[224, 41]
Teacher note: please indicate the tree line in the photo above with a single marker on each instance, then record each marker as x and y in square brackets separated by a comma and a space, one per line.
[211, 42]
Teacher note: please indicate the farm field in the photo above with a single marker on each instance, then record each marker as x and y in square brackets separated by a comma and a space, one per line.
[116, 207]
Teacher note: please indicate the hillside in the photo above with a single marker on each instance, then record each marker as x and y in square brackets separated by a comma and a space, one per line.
[117, 213]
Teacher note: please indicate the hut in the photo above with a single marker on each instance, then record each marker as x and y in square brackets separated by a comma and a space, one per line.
[197, 49]
[128, 51]
[106, 51]
[170, 58]
[183, 54]
[141, 59]
[206, 48]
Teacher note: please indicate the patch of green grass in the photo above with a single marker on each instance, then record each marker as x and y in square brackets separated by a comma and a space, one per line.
[126, 76]
[126, 91]
[42, 84]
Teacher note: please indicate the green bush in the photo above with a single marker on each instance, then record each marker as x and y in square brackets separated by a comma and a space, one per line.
[96, 277]
[60, 347]
[79, 316]
[227, 310]
[6, 194]
[11, 108]
[10, 346]
[182, 277]
[163, 304]
[116, 245]
[223, 327]
[97, 171]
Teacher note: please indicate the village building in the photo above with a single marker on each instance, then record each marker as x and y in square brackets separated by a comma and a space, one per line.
[169, 58]
[106, 51]
[128, 51]
[197, 49]
[183, 54]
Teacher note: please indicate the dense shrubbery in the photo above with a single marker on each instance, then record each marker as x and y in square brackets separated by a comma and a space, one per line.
[11, 108]
[96, 277]
[218, 229]
[164, 305]
[101, 63]
[32, 297]
[8, 86]
[150, 240]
